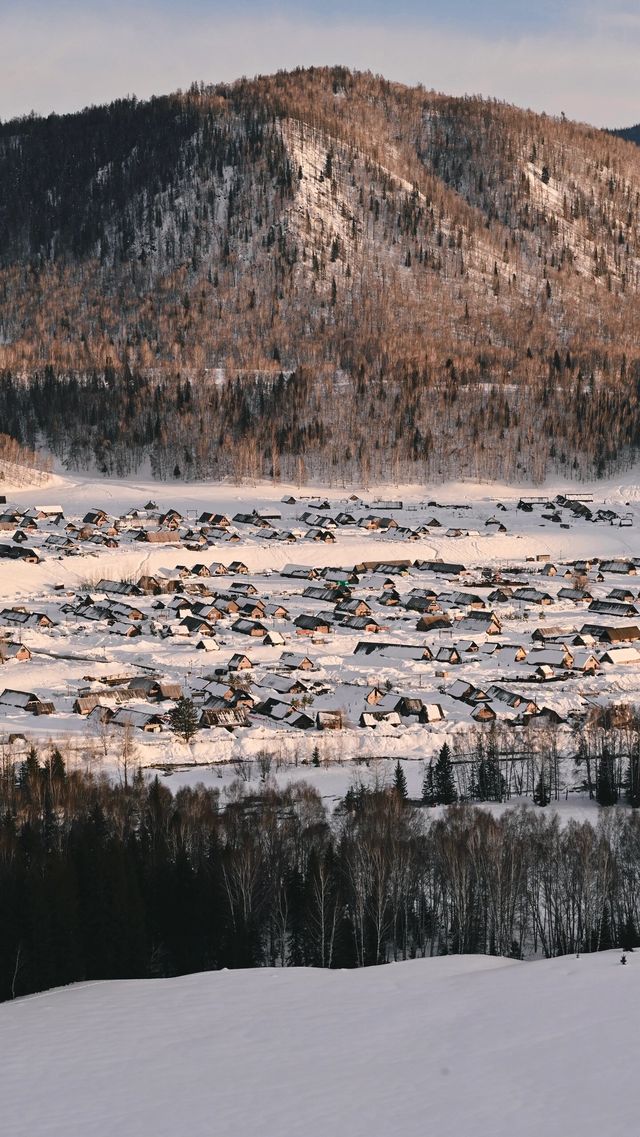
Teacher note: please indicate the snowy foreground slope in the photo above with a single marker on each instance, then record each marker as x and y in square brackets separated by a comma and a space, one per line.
[464, 1046]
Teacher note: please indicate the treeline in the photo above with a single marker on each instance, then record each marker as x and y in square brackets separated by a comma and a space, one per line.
[414, 424]
[103, 881]
[601, 756]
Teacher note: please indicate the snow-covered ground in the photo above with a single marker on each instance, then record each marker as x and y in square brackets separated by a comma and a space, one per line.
[333, 780]
[462, 1046]
[530, 537]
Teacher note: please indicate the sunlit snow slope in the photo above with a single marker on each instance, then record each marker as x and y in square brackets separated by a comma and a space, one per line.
[464, 1046]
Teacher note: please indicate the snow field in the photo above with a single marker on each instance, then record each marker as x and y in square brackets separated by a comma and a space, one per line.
[462, 1045]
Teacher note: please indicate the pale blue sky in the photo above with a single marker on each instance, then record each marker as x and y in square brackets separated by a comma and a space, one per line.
[552, 55]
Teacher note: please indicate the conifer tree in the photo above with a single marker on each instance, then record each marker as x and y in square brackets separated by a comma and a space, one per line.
[542, 791]
[633, 775]
[489, 784]
[428, 786]
[184, 718]
[400, 782]
[445, 790]
[57, 765]
[57, 770]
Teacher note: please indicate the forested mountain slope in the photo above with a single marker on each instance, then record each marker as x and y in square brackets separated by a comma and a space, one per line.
[631, 133]
[324, 273]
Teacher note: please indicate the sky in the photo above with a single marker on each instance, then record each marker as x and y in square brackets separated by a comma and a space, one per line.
[557, 56]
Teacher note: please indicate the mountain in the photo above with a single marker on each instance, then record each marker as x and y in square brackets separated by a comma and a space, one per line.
[320, 272]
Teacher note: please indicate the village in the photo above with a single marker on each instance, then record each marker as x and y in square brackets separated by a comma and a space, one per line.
[293, 621]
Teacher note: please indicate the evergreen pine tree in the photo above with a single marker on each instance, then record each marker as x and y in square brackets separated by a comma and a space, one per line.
[184, 718]
[481, 788]
[633, 775]
[57, 772]
[445, 790]
[31, 766]
[490, 784]
[428, 786]
[400, 782]
[30, 775]
[542, 791]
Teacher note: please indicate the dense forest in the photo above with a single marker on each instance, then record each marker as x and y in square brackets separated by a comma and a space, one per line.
[410, 425]
[100, 880]
[630, 133]
[320, 273]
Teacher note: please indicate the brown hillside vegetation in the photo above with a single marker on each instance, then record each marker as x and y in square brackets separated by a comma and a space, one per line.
[354, 278]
